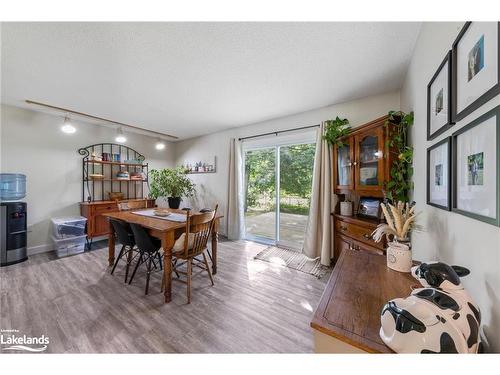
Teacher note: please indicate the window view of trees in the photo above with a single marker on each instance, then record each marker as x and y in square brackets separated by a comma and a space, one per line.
[296, 165]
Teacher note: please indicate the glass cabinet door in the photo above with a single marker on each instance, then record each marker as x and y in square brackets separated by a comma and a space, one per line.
[344, 167]
[369, 160]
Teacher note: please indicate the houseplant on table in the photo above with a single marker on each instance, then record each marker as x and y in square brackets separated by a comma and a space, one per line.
[172, 184]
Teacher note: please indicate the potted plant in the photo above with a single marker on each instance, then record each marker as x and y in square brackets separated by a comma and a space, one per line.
[400, 184]
[335, 130]
[400, 220]
[172, 184]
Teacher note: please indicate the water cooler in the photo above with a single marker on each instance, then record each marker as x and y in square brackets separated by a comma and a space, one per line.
[13, 219]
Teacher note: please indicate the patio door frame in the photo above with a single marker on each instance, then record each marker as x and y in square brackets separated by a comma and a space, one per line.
[277, 170]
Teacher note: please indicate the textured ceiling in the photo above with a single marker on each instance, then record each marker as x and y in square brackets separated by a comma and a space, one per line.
[190, 79]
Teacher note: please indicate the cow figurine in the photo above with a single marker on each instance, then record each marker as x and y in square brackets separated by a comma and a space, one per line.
[440, 317]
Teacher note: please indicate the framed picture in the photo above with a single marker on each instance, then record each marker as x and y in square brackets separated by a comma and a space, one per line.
[475, 67]
[369, 207]
[439, 174]
[476, 158]
[439, 100]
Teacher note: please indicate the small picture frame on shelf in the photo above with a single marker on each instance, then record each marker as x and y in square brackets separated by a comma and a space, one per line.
[439, 100]
[476, 162]
[439, 174]
[369, 208]
[475, 67]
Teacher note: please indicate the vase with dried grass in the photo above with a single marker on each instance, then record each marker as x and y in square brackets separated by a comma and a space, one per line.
[400, 220]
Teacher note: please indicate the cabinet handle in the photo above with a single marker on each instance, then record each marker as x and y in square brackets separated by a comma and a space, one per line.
[367, 236]
[343, 227]
[355, 163]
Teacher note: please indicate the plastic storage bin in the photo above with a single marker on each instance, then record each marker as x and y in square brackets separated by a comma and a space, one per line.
[66, 227]
[12, 186]
[69, 246]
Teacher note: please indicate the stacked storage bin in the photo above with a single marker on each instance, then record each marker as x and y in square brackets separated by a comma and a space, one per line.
[68, 234]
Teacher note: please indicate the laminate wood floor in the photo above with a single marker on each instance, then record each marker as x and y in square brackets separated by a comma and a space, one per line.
[254, 307]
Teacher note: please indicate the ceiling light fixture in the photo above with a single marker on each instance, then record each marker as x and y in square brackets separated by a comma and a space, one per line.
[67, 127]
[120, 138]
[97, 118]
[160, 145]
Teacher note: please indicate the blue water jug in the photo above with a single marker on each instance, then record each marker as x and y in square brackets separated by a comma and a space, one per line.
[12, 186]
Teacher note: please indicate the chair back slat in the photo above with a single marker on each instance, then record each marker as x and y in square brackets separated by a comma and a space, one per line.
[201, 226]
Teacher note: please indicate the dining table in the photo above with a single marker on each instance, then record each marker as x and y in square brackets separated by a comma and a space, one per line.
[165, 230]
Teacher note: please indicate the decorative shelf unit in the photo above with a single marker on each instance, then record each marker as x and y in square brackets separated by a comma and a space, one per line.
[97, 189]
[95, 200]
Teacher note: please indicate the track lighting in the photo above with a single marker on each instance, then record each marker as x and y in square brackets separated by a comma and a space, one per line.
[67, 127]
[160, 145]
[120, 137]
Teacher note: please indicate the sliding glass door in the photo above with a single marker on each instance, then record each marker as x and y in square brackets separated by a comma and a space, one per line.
[278, 182]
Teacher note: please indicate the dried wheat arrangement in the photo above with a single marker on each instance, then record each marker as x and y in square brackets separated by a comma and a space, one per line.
[400, 221]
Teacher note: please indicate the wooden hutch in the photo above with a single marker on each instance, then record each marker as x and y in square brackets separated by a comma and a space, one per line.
[101, 165]
[361, 167]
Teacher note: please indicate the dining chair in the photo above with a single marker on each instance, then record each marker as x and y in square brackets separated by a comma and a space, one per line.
[126, 238]
[192, 243]
[149, 252]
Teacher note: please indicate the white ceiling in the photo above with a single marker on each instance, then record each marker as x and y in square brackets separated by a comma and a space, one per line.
[190, 79]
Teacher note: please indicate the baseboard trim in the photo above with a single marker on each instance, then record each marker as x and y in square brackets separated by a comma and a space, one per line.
[40, 249]
[51, 247]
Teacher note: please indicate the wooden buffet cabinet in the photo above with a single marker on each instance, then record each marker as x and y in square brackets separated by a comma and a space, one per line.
[97, 225]
[361, 167]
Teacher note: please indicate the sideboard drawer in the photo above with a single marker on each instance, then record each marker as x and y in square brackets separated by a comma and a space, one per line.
[357, 232]
[103, 208]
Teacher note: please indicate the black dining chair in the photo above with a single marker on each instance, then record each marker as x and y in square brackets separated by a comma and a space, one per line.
[126, 238]
[149, 252]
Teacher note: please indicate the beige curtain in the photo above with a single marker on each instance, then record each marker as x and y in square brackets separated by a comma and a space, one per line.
[319, 234]
[235, 224]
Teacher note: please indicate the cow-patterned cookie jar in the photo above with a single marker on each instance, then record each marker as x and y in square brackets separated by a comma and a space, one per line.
[440, 317]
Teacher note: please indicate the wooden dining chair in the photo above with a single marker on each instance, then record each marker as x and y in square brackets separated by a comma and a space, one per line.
[192, 243]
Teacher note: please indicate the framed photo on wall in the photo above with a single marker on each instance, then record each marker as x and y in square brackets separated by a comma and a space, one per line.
[439, 100]
[439, 174]
[476, 162]
[475, 67]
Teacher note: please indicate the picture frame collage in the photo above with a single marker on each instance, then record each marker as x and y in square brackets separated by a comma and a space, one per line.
[463, 169]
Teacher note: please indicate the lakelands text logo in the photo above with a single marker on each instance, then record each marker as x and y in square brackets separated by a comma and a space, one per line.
[12, 340]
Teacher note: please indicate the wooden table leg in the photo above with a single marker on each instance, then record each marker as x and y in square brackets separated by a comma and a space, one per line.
[167, 242]
[215, 239]
[111, 243]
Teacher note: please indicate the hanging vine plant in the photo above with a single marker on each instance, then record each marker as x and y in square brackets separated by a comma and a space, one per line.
[335, 130]
[398, 188]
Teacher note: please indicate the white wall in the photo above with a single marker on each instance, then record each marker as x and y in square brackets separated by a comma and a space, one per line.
[213, 188]
[450, 237]
[33, 144]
